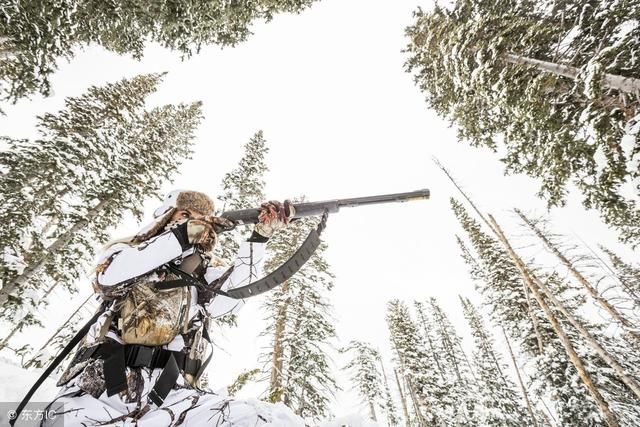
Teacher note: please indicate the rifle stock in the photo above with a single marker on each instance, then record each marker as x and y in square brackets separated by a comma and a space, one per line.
[250, 216]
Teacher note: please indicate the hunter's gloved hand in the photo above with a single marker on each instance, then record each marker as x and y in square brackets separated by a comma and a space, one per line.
[200, 232]
[273, 216]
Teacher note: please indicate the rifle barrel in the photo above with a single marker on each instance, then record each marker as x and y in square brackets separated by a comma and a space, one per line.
[250, 216]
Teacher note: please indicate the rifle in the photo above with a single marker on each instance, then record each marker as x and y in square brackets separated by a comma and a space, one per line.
[311, 243]
[250, 216]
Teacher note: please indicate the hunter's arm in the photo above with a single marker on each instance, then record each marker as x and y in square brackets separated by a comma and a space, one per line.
[122, 262]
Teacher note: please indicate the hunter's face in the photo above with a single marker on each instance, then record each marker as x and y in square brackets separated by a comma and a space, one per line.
[186, 214]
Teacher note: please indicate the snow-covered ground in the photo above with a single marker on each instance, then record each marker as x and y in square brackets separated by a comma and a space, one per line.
[15, 384]
[17, 381]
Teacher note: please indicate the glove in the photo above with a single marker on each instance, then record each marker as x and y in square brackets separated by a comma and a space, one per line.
[200, 232]
[273, 216]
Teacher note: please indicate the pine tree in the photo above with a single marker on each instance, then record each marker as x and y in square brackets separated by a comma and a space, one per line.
[510, 305]
[388, 405]
[300, 327]
[364, 374]
[242, 188]
[61, 336]
[96, 160]
[495, 68]
[498, 397]
[581, 343]
[629, 277]
[628, 326]
[35, 35]
[458, 375]
[425, 388]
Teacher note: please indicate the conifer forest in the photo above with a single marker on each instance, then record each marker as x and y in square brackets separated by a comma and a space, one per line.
[511, 297]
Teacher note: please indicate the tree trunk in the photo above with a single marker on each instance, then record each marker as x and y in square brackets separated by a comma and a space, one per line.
[21, 323]
[275, 383]
[621, 83]
[564, 339]
[520, 382]
[534, 319]
[372, 410]
[403, 400]
[14, 331]
[64, 325]
[626, 324]
[416, 404]
[60, 243]
[386, 384]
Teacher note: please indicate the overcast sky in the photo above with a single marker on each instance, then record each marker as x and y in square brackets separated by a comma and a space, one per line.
[342, 119]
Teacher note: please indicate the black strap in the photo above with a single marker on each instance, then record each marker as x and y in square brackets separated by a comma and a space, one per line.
[59, 358]
[165, 382]
[286, 270]
[115, 374]
[186, 280]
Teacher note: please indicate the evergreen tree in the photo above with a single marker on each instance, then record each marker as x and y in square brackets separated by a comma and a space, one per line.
[424, 385]
[498, 397]
[96, 160]
[582, 342]
[388, 405]
[510, 306]
[528, 78]
[242, 188]
[34, 35]
[61, 337]
[363, 367]
[300, 327]
[629, 277]
[581, 278]
[458, 375]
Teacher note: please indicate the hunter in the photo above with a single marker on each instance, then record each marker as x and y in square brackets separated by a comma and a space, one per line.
[141, 361]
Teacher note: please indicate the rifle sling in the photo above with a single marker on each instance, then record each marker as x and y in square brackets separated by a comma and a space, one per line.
[286, 270]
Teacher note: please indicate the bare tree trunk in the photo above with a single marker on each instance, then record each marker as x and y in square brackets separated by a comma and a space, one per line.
[548, 415]
[581, 279]
[403, 400]
[534, 319]
[275, 384]
[64, 325]
[564, 339]
[520, 382]
[621, 83]
[60, 243]
[372, 410]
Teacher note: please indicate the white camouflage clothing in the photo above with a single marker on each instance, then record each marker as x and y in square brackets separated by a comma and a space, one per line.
[83, 398]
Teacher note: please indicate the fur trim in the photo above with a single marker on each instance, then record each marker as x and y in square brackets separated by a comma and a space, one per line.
[195, 200]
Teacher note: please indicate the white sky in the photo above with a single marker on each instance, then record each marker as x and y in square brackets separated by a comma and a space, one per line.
[342, 119]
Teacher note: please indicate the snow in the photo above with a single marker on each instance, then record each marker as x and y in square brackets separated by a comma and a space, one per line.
[15, 263]
[15, 384]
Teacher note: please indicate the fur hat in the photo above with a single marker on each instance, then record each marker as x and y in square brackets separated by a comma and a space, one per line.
[175, 200]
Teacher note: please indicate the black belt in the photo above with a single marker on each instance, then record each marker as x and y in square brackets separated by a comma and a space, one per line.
[118, 356]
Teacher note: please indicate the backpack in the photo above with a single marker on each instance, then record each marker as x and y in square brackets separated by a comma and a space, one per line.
[154, 312]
